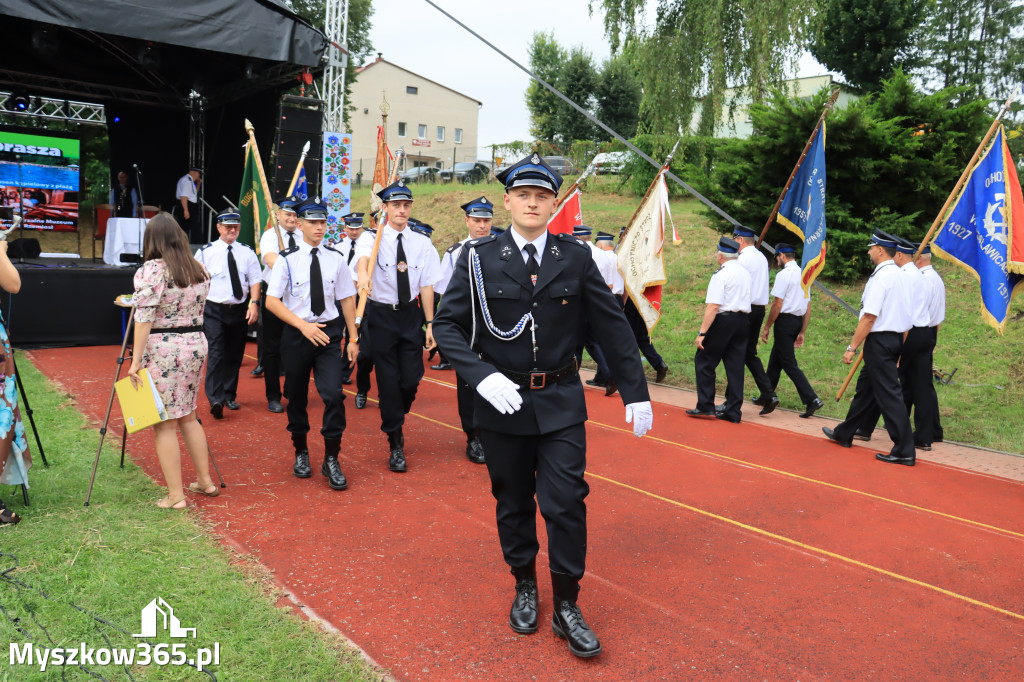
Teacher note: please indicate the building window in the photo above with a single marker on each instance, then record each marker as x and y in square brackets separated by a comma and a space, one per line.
[458, 136]
[411, 90]
[440, 133]
[401, 129]
[422, 131]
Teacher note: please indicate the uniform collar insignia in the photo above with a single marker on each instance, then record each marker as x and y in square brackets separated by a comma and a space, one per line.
[555, 251]
[506, 252]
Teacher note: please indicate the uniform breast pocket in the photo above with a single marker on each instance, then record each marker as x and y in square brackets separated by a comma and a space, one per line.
[564, 289]
[299, 286]
[503, 290]
[217, 271]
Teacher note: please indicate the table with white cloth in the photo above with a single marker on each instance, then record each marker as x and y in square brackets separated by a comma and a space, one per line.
[124, 235]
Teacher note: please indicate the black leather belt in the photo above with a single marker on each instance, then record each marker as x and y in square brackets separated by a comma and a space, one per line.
[534, 380]
[732, 312]
[395, 306]
[229, 305]
[176, 330]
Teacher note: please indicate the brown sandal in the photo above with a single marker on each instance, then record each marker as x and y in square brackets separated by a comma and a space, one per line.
[168, 503]
[194, 487]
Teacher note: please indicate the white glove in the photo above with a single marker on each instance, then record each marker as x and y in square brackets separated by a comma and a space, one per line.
[501, 392]
[642, 417]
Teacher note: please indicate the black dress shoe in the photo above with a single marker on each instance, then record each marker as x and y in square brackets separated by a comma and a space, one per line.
[812, 407]
[726, 418]
[522, 617]
[346, 382]
[862, 435]
[475, 451]
[301, 468]
[332, 470]
[594, 382]
[662, 373]
[700, 413]
[567, 621]
[923, 446]
[759, 401]
[360, 401]
[769, 406]
[892, 459]
[217, 410]
[275, 406]
[396, 442]
[442, 366]
[232, 405]
[610, 388]
[433, 352]
[831, 435]
[257, 371]
[719, 408]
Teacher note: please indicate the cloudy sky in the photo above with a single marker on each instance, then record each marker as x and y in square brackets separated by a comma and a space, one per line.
[417, 37]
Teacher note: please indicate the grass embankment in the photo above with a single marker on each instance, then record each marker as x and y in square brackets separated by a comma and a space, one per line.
[112, 558]
[983, 405]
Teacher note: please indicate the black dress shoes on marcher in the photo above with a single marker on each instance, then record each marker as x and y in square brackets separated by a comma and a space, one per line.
[396, 442]
[522, 617]
[769, 405]
[892, 459]
[700, 413]
[610, 387]
[332, 470]
[232, 405]
[759, 401]
[923, 446]
[726, 418]
[360, 401]
[719, 409]
[257, 371]
[475, 451]
[301, 468]
[275, 406]
[442, 365]
[567, 621]
[812, 407]
[831, 435]
[662, 373]
[860, 434]
[217, 410]
[594, 382]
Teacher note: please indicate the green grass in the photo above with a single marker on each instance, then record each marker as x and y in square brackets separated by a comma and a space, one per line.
[111, 558]
[984, 404]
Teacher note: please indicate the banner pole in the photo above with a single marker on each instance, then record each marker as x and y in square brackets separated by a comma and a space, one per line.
[266, 189]
[298, 169]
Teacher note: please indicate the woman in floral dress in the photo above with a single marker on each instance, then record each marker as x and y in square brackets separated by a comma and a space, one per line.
[14, 458]
[170, 293]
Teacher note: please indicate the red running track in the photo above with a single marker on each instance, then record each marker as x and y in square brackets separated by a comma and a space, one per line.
[716, 550]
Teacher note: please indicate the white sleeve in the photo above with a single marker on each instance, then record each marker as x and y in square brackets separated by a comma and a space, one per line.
[278, 279]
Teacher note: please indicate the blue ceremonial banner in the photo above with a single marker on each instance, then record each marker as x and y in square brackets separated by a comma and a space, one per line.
[301, 189]
[975, 234]
[803, 210]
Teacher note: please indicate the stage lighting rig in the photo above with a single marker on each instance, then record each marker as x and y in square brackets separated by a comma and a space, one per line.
[20, 101]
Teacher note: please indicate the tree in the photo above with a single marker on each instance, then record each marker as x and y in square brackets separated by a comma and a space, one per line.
[618, 96]
[697, 48]
[867, 40]
[577, 79]
[546, 59]
[359, 46]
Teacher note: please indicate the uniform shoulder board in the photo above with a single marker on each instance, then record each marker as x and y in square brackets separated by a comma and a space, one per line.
[206, 246]
[330, 247]
[452, 248]
[246, 246]
[567, 238]
[289, 250]
[489, 239]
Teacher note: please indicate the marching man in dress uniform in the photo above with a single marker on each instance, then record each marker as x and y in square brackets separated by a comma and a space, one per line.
[401, 286]
[354, 235]
[936, 316]
[756, 264]
[512, 333]
[306, 287]
[479, 216]
[232, 305]
[270, 334]
[884, 319]
[723, 335]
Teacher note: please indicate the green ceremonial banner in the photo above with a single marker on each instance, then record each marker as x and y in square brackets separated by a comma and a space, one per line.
[252, 202]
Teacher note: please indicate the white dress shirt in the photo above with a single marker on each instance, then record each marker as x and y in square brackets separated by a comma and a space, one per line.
[290, 280]
[421, 256]
[268, 244]
[917, 290]
[448, 259]
[730, 288]
[539, 243]
[350, 250]
[936, 296]
[186, 188]
[787, 288]
[885, 297]
[756, 264]
[215, 257]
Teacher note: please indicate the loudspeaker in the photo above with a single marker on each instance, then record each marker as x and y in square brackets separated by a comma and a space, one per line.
[300, 120]
[27, 247]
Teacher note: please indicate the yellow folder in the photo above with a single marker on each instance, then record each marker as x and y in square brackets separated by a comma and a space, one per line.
[141, 407]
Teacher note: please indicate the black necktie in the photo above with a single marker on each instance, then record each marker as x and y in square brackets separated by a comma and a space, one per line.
[351, 251]
[316, 285]
[531, 262]
[404, 295]
[291, 240]
[236, 283]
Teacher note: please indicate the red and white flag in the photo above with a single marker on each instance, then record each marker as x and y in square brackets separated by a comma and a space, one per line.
[641, 250]
[568, 215]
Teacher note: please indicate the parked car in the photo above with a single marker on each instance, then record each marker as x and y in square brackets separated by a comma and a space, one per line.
[466, 171]
[420, 174]
[560, 163]
[610, 162]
